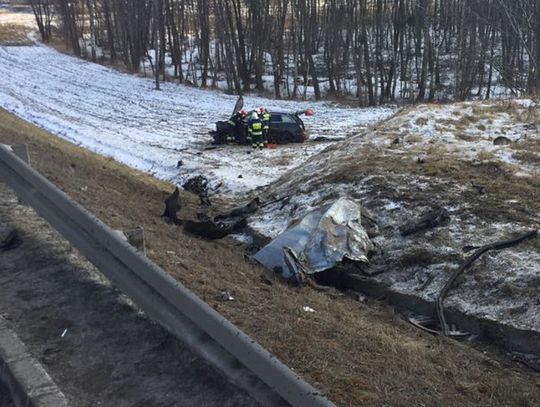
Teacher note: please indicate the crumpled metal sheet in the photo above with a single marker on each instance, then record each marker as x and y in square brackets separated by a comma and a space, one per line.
[323, 238]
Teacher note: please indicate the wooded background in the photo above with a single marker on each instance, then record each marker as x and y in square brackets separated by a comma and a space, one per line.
[370, 51]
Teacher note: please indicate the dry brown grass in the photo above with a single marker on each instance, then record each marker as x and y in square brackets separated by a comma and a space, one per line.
[421, 121]
[481, 127]
[485, 155]
[467, 119]
[412, 138]
[460, 134]
[528, 157]
[13, 34]
[361, 354]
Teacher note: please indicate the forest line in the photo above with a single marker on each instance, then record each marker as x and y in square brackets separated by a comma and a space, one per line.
[371, 51]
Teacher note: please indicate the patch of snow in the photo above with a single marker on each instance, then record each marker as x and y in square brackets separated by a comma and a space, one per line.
[390, 206]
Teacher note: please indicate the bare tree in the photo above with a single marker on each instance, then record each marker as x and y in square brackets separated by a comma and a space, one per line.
[371, 50]
[43, 12]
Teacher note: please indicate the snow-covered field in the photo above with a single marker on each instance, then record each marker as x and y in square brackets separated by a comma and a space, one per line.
[122, 116]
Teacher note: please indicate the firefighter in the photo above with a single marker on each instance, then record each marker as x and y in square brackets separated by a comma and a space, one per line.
[235, 125]
[255, 131]
[241, 127]
[265, 117]
[242, 136]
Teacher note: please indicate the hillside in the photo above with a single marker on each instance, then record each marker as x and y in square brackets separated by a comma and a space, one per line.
[428, 157]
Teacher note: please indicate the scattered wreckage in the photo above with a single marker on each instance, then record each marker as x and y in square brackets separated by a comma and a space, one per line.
[322, 239]
[337, 234]
[211, 228]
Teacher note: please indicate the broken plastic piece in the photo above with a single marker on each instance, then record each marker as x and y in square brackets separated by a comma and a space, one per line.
[226, 296]
[428, 324]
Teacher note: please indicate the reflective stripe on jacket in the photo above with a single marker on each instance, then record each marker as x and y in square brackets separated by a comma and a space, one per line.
[234, 119]
[255, 128]
[266, 120]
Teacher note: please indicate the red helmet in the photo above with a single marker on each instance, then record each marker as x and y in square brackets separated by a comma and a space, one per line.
[310, 112]
[243, 112]
[262, 109]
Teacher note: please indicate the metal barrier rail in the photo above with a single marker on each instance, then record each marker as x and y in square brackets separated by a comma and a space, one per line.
[166, 301]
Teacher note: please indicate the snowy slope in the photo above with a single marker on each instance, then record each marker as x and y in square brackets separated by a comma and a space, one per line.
[430, 156]
[121, 116]
[463, 133]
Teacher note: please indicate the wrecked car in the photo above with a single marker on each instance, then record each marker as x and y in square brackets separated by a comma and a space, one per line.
[285, 127]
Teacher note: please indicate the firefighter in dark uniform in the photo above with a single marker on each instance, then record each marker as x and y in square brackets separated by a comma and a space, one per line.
[255, 131]
[235, 126]
[265, 118]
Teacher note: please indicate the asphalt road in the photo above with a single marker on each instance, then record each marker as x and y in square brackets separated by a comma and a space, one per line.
[98, 349]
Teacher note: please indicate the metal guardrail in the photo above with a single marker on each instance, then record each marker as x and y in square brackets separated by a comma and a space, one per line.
[166, 301]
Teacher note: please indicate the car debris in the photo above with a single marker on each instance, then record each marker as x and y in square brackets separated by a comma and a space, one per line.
[429, 325]
[501, 141]
[172, 206]
[250, 208]
[503, 244]
[225, 295]
[213, 230]
[223, 224]
[433, 218]
[324, 139]
[198, 185]
[323, 238]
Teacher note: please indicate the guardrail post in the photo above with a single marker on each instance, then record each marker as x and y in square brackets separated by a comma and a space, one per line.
[21, 151]
[134, 237]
